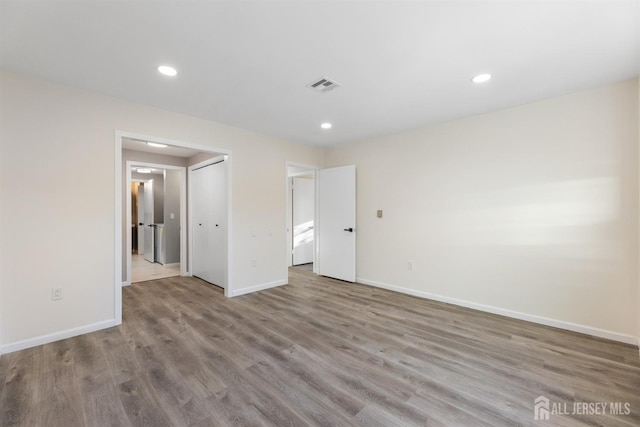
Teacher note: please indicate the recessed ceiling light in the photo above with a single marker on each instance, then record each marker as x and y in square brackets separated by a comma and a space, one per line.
[167, 70]
[143, 170]
[481, 78]
[326, 125]
[155, 144]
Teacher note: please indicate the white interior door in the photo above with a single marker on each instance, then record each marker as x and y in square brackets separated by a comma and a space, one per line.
[140, 227]
[303, 207]
[149, 249]
[337, 223]
[209, 222]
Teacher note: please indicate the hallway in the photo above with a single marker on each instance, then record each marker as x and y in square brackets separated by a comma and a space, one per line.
[143, 270]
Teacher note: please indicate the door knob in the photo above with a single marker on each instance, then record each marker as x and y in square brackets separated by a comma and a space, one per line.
[350, 229]
[142, 223]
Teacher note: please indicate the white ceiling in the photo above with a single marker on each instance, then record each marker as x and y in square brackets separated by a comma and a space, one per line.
[402, 64]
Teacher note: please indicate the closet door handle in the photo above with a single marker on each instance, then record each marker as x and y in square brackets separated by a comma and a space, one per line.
[350, 229]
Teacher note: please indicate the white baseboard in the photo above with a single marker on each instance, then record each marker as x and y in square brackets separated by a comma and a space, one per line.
[257, 288]
[56, 336]
[584, 329]
[126, 283]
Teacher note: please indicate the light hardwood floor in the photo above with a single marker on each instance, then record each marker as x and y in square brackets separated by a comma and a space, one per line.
[316, 352]
[143, 270]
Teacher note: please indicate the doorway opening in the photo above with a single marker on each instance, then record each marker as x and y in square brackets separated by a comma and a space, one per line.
[156, 208]
[301, 216]
[333, 223]
[142, 150]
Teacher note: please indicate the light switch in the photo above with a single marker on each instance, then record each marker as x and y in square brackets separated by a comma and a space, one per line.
[379, 213]
[172, 216]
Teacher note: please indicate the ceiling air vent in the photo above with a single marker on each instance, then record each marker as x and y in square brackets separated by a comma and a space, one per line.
[323, 84]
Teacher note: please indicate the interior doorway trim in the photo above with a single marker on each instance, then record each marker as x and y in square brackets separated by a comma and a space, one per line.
[288, 200]
[119, 194]
[183, 213]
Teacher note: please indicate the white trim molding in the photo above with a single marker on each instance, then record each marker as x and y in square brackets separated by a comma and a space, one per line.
[56, 336]
[575, 327]
[117, 286]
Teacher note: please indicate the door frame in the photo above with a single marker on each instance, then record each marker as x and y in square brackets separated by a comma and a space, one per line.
[183, 212]
[289, 215]
[118, 214]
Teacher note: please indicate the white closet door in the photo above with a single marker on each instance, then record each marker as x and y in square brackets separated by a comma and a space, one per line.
[209, 208]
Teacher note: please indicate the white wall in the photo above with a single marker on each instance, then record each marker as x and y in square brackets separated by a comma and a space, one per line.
[530, 211]
[171, 206]
[51, 136]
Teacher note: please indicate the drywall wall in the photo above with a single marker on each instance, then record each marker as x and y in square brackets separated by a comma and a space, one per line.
[158, 198]
[62, 133]
[530, 211]
[172, 215]
[200, 157]
[143, 156]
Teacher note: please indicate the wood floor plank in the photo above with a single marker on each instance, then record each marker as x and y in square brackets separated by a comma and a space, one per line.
[315, 352]
[141, 406]
[59, 400]
[121, 362]
[315, 407]
[100, 402]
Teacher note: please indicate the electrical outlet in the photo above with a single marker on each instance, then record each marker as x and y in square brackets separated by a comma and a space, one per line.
[410, 265]
[253, 263]
[56, 294]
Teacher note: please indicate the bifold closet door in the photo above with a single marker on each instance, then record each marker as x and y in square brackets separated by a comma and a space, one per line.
[209, 208]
